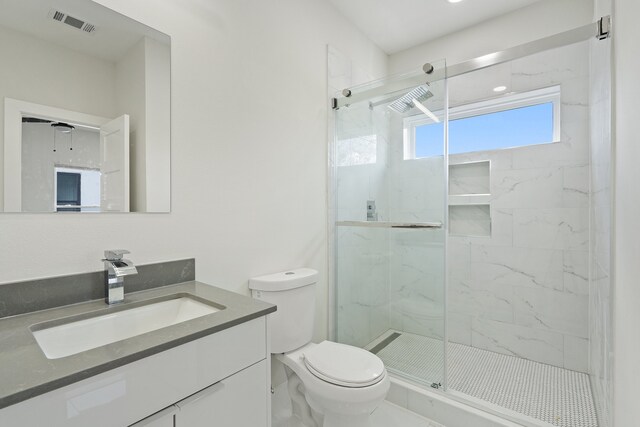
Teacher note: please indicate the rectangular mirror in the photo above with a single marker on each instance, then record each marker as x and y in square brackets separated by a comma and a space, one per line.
[85, 111]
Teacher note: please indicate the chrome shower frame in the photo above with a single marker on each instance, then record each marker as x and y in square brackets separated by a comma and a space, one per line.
[600, 29]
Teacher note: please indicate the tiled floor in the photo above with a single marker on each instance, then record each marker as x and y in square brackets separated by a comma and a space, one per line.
[555, 395]
[386, 415]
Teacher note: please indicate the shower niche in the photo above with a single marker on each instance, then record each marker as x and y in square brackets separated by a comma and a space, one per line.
[469, 196]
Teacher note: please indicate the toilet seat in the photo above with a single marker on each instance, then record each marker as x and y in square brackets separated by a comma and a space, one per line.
[344, 365]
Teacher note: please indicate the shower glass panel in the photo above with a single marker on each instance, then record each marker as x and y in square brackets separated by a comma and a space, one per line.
[390, 236]
[518, 279]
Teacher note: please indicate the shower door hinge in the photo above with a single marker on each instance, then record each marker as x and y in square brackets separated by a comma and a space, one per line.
[604, 28]
[436, 385]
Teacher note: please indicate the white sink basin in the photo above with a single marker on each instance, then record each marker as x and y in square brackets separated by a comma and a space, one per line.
[82, 335]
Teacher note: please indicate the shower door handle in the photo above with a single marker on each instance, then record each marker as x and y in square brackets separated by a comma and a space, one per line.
[414, 226]
[390, 224]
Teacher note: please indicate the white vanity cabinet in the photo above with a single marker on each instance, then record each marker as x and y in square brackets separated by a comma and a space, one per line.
[218, 380]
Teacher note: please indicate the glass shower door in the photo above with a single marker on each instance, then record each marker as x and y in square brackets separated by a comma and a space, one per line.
[390, 199]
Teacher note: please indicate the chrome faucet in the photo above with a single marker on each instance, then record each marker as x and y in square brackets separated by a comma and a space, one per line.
[115, 268]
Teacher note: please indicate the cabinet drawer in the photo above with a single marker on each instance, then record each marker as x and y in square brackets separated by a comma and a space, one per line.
[237, 401]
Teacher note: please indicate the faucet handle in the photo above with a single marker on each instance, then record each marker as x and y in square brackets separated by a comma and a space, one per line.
[115, 254]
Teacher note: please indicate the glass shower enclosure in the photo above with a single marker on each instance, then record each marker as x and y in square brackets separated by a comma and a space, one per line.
[390, 211]
[469, 206]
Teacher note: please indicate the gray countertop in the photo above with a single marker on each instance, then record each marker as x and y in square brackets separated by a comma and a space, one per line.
[25, 372]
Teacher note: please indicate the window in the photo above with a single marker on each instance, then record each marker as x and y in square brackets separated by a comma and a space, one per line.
[511, 121]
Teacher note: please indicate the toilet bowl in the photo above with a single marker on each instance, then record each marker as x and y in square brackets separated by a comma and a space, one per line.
[341, 384]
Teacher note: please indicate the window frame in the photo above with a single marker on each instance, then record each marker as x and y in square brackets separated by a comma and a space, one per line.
[551, 94]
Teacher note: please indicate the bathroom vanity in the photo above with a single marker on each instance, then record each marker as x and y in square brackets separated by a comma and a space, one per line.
[209, 370]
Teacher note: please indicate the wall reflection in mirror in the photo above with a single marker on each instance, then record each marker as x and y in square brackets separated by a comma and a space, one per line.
[86, 110]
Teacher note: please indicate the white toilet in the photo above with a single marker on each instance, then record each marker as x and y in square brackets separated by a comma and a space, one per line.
[341, 384]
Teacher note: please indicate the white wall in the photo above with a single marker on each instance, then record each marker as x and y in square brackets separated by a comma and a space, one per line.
[249, 149]
[626, 268]
[539, 20]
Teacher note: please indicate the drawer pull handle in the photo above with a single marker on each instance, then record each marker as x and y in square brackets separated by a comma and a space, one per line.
[201, 394]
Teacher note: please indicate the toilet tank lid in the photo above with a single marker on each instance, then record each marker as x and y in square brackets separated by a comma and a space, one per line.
[285, 280]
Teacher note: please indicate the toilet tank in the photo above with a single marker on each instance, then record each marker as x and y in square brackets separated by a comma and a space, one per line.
[291, 326]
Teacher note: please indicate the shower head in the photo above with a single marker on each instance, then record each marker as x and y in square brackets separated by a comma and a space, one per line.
[405, 102]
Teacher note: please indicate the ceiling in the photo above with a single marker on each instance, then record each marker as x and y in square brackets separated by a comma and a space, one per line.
[115, 34]
[396, 25]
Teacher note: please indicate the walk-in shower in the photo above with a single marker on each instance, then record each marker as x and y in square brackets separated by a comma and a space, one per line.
[471, 223]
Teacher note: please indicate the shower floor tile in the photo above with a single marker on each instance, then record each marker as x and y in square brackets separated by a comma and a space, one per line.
[554, 395]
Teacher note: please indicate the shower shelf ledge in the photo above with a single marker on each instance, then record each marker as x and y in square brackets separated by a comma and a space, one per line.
[389, 224]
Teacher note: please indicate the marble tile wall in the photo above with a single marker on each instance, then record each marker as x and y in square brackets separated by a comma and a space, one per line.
[524, 290]
[362, 285]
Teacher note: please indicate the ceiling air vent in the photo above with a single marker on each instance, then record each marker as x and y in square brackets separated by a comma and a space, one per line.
[76, 23]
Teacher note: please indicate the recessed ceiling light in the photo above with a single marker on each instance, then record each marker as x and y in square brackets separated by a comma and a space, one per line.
[454, 1]
[499, 88]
